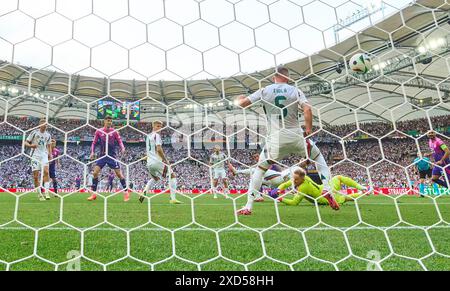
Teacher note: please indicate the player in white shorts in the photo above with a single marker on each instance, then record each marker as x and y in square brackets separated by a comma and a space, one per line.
[157, 164]
[39, 141]
[216, 161]
[282, 105]
[272, 178]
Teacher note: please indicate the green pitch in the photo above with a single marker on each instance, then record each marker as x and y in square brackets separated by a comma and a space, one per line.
[204, 234]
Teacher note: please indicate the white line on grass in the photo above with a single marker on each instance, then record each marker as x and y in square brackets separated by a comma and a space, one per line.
[238, 228]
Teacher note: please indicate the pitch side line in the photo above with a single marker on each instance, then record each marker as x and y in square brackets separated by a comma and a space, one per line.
[239, 228]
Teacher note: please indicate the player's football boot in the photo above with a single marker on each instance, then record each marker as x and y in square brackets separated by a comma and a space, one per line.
[244, 211]
[331, 201]
[175, 201]
[41, 197]
[126, 196]
[142, 197]
[92, 197]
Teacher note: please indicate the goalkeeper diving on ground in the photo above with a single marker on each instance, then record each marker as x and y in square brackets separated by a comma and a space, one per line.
[311, 191]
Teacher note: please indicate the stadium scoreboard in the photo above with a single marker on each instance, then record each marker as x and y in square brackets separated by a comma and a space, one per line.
[118, 110]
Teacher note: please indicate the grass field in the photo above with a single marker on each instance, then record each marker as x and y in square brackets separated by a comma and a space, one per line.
[205, 234]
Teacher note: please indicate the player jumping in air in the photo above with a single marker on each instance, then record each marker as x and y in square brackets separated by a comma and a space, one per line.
[39, 142]
[52, 167]
[157, 164]
[107, 137]
[441, 155]
[308, 189]
[216, 161]
[282, 105]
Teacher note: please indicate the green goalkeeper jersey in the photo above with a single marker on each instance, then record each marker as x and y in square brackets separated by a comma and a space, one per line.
[311, 189]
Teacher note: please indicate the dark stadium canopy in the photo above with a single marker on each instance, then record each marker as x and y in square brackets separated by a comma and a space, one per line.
[410, 51]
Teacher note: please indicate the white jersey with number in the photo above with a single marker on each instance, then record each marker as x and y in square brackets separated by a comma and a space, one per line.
[217, 161]
[153, 141]
[281, 105]
[284, 133]
[42, 140]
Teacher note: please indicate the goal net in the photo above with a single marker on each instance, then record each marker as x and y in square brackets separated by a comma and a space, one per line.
[178, 67]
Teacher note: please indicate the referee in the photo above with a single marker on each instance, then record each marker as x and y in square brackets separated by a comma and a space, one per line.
[423, 165]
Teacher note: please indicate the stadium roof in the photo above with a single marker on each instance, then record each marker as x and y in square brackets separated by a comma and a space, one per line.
[413, 42]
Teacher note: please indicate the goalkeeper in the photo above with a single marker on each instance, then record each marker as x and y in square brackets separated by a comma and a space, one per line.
[311, 191]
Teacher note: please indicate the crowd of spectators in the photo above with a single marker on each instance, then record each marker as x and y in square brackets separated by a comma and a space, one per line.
[385, 162]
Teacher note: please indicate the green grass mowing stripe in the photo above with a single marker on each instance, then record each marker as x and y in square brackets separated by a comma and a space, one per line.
[107, 244]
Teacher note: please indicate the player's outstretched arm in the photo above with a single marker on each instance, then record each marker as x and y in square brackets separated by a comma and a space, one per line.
[244, 101]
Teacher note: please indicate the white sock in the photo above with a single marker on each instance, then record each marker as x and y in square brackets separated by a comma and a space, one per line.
[255, 185]
[258, 195]
[322, 168]
[46, 186]
[173, 188]
[245, 172]
[149, 185]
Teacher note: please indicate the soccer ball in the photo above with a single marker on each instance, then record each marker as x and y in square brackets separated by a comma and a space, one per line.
[360, 63]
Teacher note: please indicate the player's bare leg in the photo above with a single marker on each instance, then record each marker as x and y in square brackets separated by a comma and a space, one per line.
[95, 173]
[123, 182]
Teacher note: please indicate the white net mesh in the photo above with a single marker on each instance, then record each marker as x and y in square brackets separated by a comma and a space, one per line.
[72, 63]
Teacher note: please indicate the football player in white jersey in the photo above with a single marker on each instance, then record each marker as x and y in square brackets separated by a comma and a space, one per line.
[216, 161]
[39, 141]
[282, 105]
[157, 164]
